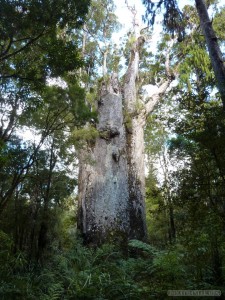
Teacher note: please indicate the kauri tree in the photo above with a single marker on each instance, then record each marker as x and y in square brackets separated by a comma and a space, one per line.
[111, 174]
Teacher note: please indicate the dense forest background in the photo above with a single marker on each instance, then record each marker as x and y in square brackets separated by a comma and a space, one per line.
[53, 56]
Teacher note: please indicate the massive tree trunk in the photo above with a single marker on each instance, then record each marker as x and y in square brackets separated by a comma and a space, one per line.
[213, 47]
[135, 114]
[103, 175]
[111, 173]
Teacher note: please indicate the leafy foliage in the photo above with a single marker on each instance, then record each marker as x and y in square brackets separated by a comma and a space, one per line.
[104, 273]
[172, 17]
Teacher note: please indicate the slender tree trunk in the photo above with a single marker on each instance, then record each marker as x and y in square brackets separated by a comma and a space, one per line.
[111, 172]
[216, 262]
[213, 47]
[168, 197]
[172, 228]
[104, 65]
[44, 228]
[84, 39]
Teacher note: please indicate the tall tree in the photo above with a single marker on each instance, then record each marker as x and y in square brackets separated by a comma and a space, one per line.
[174, 22]
[213, 47]
[111, 175]
[36, 45]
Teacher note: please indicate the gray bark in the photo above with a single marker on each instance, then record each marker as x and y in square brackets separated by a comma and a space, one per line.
[213, 47]
[111, 173]
[135, 146]
[103, 179]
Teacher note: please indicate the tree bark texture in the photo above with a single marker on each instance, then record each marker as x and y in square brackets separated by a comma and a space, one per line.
[111, 172]
[213, 47]
[135, 146]
[103, 175]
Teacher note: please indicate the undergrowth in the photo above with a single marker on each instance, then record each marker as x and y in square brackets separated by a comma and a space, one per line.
[78, 272]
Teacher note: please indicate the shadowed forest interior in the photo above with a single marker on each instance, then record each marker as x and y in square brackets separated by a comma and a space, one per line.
[112, 160]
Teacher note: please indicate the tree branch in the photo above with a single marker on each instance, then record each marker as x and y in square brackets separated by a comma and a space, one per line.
[8, 47]
[153, 100]
[31, 41]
